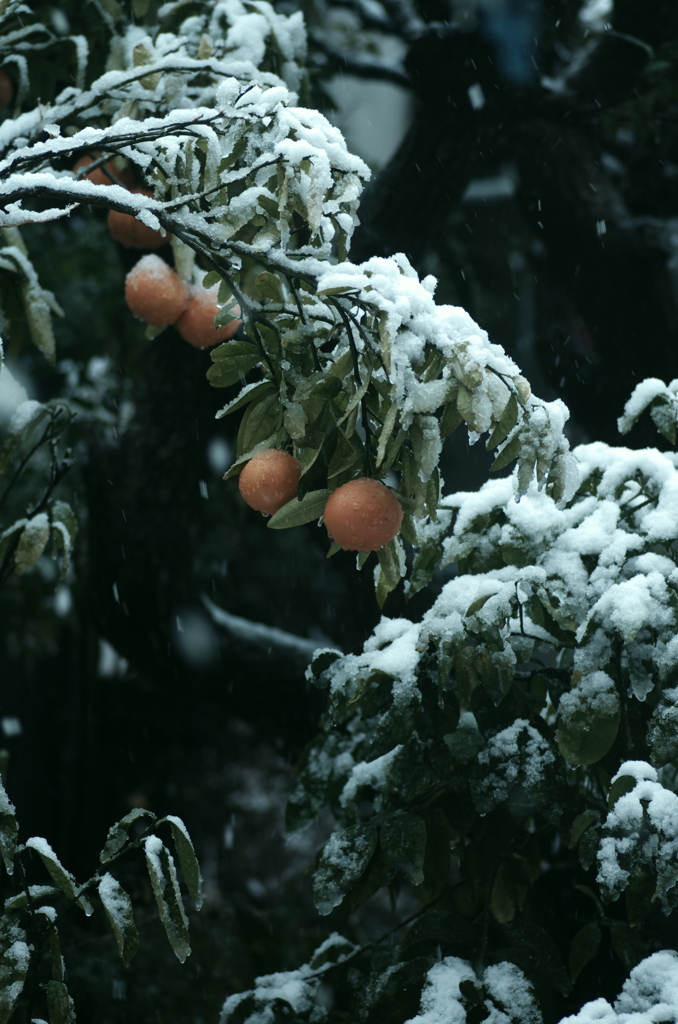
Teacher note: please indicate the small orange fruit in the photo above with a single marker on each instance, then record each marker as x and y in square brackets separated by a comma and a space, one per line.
[363, 515]
[269, 480]
[196, 323]
[130, 232]
[100, 175]
[155, 293]
[6, 89]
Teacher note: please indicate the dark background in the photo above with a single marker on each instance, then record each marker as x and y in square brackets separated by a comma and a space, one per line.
[574, 270]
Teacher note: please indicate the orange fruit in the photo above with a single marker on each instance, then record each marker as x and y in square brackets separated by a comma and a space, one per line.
[155, 293]
[363, 515]
[6, 89]
[269, 480]
[99, 176]
[130, 232]
[196, 323]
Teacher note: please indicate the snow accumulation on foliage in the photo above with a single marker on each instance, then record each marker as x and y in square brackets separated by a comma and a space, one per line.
[641, 835]
[504, 990]
[298, 990]
[529, 570]
[649, 995]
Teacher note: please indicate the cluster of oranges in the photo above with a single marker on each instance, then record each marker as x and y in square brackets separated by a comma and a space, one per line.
[361, 515]
[154, 292]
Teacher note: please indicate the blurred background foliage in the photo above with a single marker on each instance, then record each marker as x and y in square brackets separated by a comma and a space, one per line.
[525, 153]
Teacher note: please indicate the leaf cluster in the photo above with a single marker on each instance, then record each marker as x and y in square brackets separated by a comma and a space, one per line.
[31, 965]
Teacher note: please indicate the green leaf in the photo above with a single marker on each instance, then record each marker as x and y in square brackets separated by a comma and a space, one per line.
[262, 418]
[387, 574]
[278, 440]
[152, 332]
[333, 549]
[588, 721]
[269, 286]
[9, 830]
[585, 945]
[385, 340]
[211, 278]
[118, 834]
[342, 366]
[294, 418]
[187, 859]
[118, 907]
[386, 432]
[32, 543]
[61, 511]
[62, 878]
[37, 893]
[403, 840]
[450, 419]
[476, 605]
[318, 386]
[59, 1004]
[426, 559]
[65, 527]
[225, 317]
[249, 393]
[507, 422]
[663, 415]
[627, 944]
[232, 361]
[508, 454]
[345, 856]
[296, 513]
[624, 784]
[580, 824]
[165, 884]
[57, 959]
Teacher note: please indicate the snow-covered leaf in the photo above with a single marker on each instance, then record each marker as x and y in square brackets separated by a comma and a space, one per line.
[62, 878]
[344, 858]
[118, 834]
[187, 859]
[588, 719]
[165, 884]
[118, 907]
[59, 1003]
[32, 543]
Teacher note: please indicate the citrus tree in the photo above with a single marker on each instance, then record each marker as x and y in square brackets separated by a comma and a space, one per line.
[503, 767]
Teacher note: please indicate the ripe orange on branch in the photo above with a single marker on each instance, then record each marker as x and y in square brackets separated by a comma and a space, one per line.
[130, 232]
[363, 515]
[269, 480]
[155, 293]
[196, 323]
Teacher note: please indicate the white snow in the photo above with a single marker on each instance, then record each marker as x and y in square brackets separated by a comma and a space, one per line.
[649, 995]
[12, 394]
